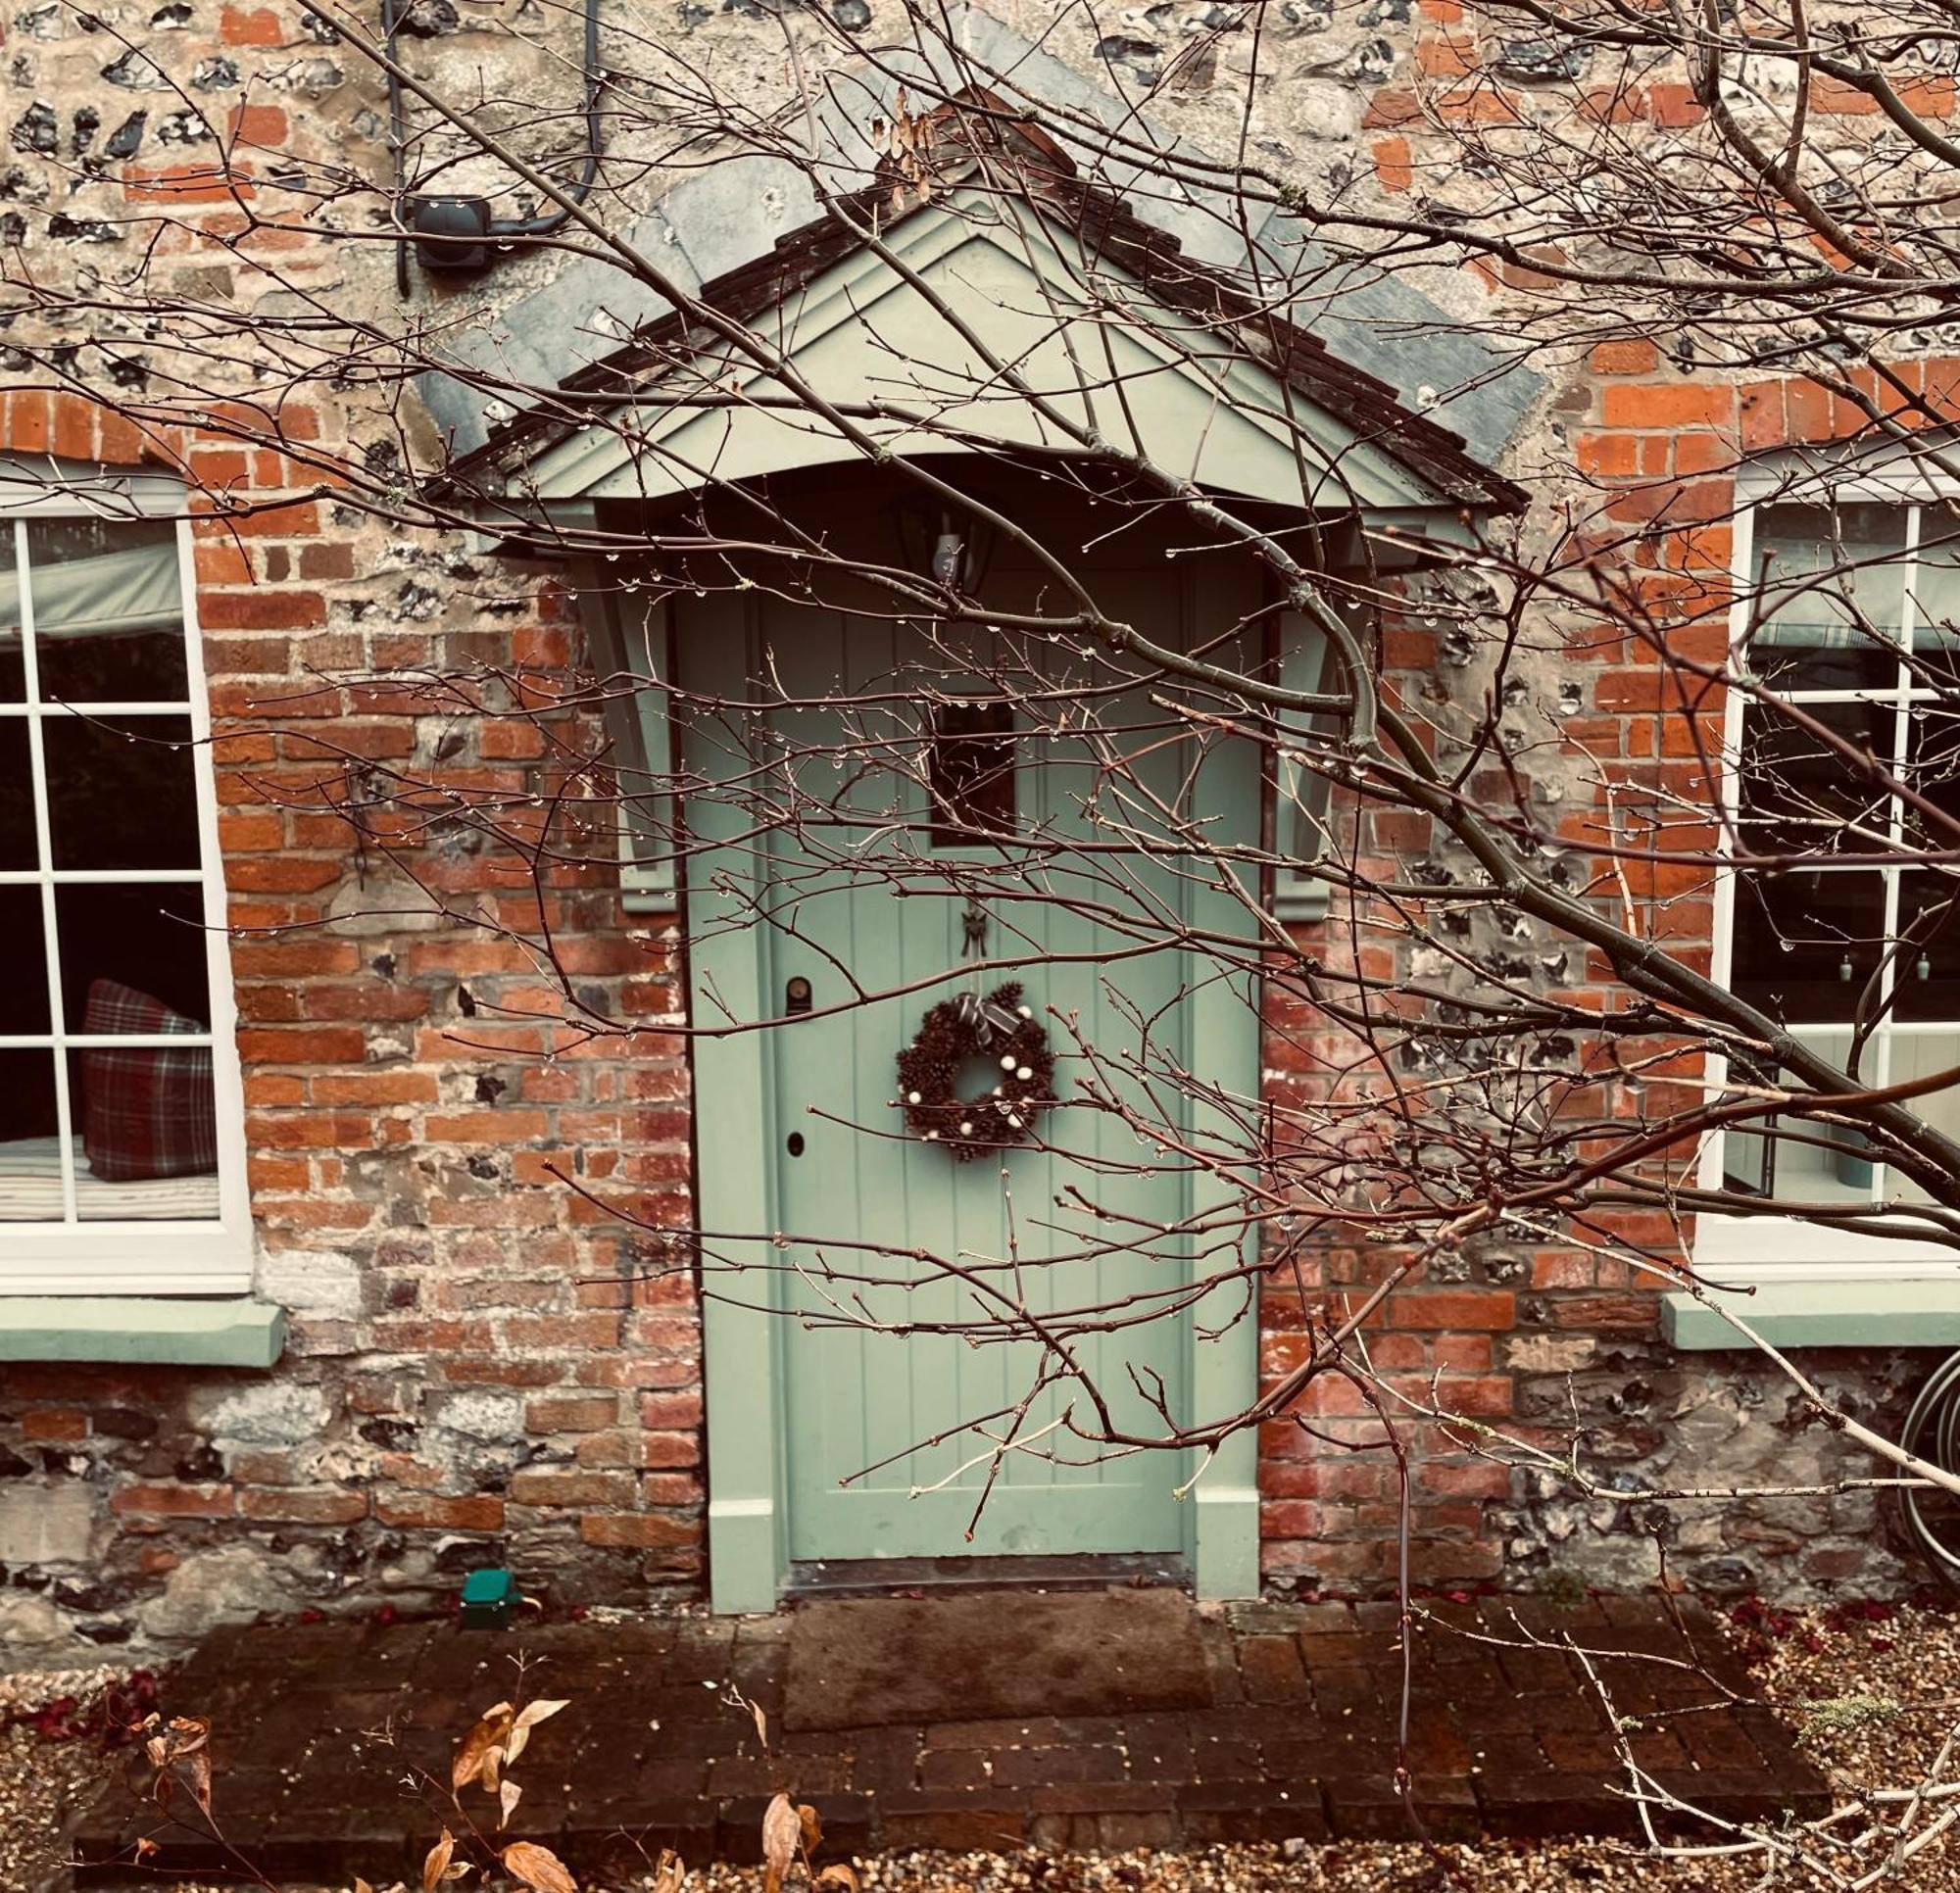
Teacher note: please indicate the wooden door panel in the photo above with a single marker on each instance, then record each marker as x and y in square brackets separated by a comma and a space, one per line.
[864, 1198]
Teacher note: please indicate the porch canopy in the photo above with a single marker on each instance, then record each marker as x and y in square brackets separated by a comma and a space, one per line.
[968, 284]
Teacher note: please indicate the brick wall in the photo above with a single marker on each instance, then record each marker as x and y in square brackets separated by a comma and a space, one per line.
[483, 1361]
[474, 1363]
[1540, 1341]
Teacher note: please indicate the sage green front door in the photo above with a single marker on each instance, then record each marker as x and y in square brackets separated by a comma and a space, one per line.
[891, 1260]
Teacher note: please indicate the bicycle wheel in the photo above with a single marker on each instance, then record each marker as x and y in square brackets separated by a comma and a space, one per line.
[1933, 1433]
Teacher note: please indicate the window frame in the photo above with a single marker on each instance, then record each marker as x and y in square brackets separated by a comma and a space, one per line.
[1773, 1248]
[142, 1256]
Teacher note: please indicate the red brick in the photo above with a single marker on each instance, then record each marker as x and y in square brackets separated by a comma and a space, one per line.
[308, 1045]
[1477, 1481]
[489, 1127]
[328, 1505]
[261, 610]
[667, 1411]
[1494, 1309]
[430, 1511]
[29, 415]
[255, 27]
[1668, 404]
[1626, 358]
[639, 1530]
[258, 125]
[174, 1501]
[568, 1332]
[540, 1485]
[570, 1413]
[1394, 169]
[74, 427]
[184, 184]
[1835, 96]
[1391, 109]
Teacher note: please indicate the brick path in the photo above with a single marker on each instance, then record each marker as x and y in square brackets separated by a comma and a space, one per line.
[1297, 1741]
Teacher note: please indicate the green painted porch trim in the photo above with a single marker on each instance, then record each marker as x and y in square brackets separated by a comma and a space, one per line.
[1222, 1536]
[229, 1332]
[1820, 1313]
[734, 1131]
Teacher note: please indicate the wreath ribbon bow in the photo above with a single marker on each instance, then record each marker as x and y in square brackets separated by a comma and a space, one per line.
[988, 1018]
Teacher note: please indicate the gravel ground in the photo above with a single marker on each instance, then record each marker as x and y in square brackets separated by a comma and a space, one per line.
[1875, 1689]
[46, 1765]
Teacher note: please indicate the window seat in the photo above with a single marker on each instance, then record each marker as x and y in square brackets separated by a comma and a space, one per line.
[30, 1189]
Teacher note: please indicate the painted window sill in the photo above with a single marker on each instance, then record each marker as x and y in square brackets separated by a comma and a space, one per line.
[231, 1331]
[1821, 1314]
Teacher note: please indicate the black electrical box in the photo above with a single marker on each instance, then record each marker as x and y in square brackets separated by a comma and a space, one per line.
[451, 232]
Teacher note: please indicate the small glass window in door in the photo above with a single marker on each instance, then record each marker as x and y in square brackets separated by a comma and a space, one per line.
[971, 773]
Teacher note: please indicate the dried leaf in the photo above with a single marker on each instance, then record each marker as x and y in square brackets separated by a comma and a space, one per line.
[145, 1847]
[535, 1713]
[436, 1864]
[493, 1762]
[361, 1885]
[762, 1726]
[838, 1874]
[508, 1796]
[488, 1734]
[782, 1829]
[198, 1767]
[190, 1734]
[537, 1866]
[520, 1739]
[812, 1829]
[670, 1873]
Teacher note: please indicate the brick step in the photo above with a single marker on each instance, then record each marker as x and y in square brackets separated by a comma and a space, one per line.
[316, 1728]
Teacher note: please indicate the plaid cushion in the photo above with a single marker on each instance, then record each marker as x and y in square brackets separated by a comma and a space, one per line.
[146, 1111]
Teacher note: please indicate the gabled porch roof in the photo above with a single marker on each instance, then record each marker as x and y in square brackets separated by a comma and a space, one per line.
[1010, 233]
[1011, 246]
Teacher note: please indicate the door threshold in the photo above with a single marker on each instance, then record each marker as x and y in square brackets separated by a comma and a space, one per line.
[880, 1577]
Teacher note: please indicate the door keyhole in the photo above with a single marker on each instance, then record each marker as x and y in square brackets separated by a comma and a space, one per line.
[795, 1143]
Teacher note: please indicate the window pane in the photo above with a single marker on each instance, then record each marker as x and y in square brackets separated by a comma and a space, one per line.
[147, 1119]
[30, 1147]
[1798, 1159]
[1924, 1054]
[972, 771]
[1936, 637]
[1799, 795]
[1928, 972]
[108, 610]
[24, 962]
[148, 939]
[1833, 595]
[120, 792]
[13, 666]
[1806, 944]
[18, 848]
[1933, 770]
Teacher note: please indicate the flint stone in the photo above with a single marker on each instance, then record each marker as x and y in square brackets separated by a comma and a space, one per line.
[45, 1525]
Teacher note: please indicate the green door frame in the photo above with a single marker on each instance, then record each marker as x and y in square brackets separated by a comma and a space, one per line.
[744, 1329]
